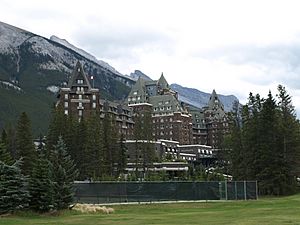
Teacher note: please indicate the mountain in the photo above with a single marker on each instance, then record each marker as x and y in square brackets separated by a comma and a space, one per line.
[32, 68]
[137, 74]
[200, 99]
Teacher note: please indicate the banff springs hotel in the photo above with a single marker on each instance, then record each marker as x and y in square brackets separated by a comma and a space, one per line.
[188, 134]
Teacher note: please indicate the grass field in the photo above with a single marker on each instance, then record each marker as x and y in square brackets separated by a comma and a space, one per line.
[285, 210]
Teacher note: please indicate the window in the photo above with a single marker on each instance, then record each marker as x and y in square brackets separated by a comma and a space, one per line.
[82, 89]
[66, 112]
[168, 107]
[162, 120]
[80, 104]
[138, 98]
[80, 81]
[79, 96]
[171, 119]
[66, 104]
[94, 105]
[80, 112]
[135, 93]
[78, 88]
[66, 96]
[155, 108]
[167, 102]
[94, 97]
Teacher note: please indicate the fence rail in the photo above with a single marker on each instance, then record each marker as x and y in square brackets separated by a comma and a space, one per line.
[118, 192]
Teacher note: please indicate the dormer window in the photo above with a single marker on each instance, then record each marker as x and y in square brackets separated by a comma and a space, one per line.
[80, 81]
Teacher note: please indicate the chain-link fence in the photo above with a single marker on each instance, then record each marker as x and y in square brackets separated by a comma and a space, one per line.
[118, 192]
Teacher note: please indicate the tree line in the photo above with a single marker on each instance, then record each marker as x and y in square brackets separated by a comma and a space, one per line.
[264, 143]
[42, 176]
[29, 178]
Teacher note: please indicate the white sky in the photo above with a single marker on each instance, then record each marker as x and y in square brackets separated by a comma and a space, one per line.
[235, 47]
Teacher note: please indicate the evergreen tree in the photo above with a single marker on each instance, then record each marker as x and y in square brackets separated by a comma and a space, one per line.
[93, 150]
[4, 137]
[232, 146]
[268, 163]
[4, 154]
[267, 145]
[10, 142]
[110, 144]
[78, 153]
[290, 140]
[148, 152]
[122, 159]
[13, 191]
[57, 127]
[144, 149]
[24, 143]
[64, 175]
[41, 185]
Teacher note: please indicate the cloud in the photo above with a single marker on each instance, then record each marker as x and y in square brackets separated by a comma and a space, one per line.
[115, 41]
[270, 63]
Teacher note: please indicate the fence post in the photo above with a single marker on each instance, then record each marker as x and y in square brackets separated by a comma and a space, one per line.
[235, 190]
[256, 189]
[245, 190]
[226, 197]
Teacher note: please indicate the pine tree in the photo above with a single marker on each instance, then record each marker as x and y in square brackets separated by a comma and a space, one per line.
[267, 145]
[80, 139]
[110, 142]
[13, 191]
[57, 127]
[63, 176]
[10, 142]
[4, 154]
[93, 149]
[232, 146]
[148, 152]
[24, 143]
[122, 159]
[144, 151]
[269, 158]
[41, 185]
[290, 141]
[4, 137]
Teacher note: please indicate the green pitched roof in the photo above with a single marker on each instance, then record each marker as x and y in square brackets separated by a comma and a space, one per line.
[165, 103]
[78, 74]
[214, 101]
[162, 82]
[138, 90]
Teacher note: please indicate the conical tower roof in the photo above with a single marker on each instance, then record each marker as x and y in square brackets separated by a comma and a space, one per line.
[214, 101]
[138, 90]
[162, 82]
[79, 75]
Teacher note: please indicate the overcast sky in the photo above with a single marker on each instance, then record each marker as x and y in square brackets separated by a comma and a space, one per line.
[235, 47]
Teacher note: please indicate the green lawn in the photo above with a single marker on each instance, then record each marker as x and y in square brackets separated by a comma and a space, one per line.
[285, 210]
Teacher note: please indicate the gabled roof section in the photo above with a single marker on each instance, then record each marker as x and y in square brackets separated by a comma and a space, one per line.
[214, 102]
[138, 90]
[165, 103]
[162, 82]
[78, 74]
